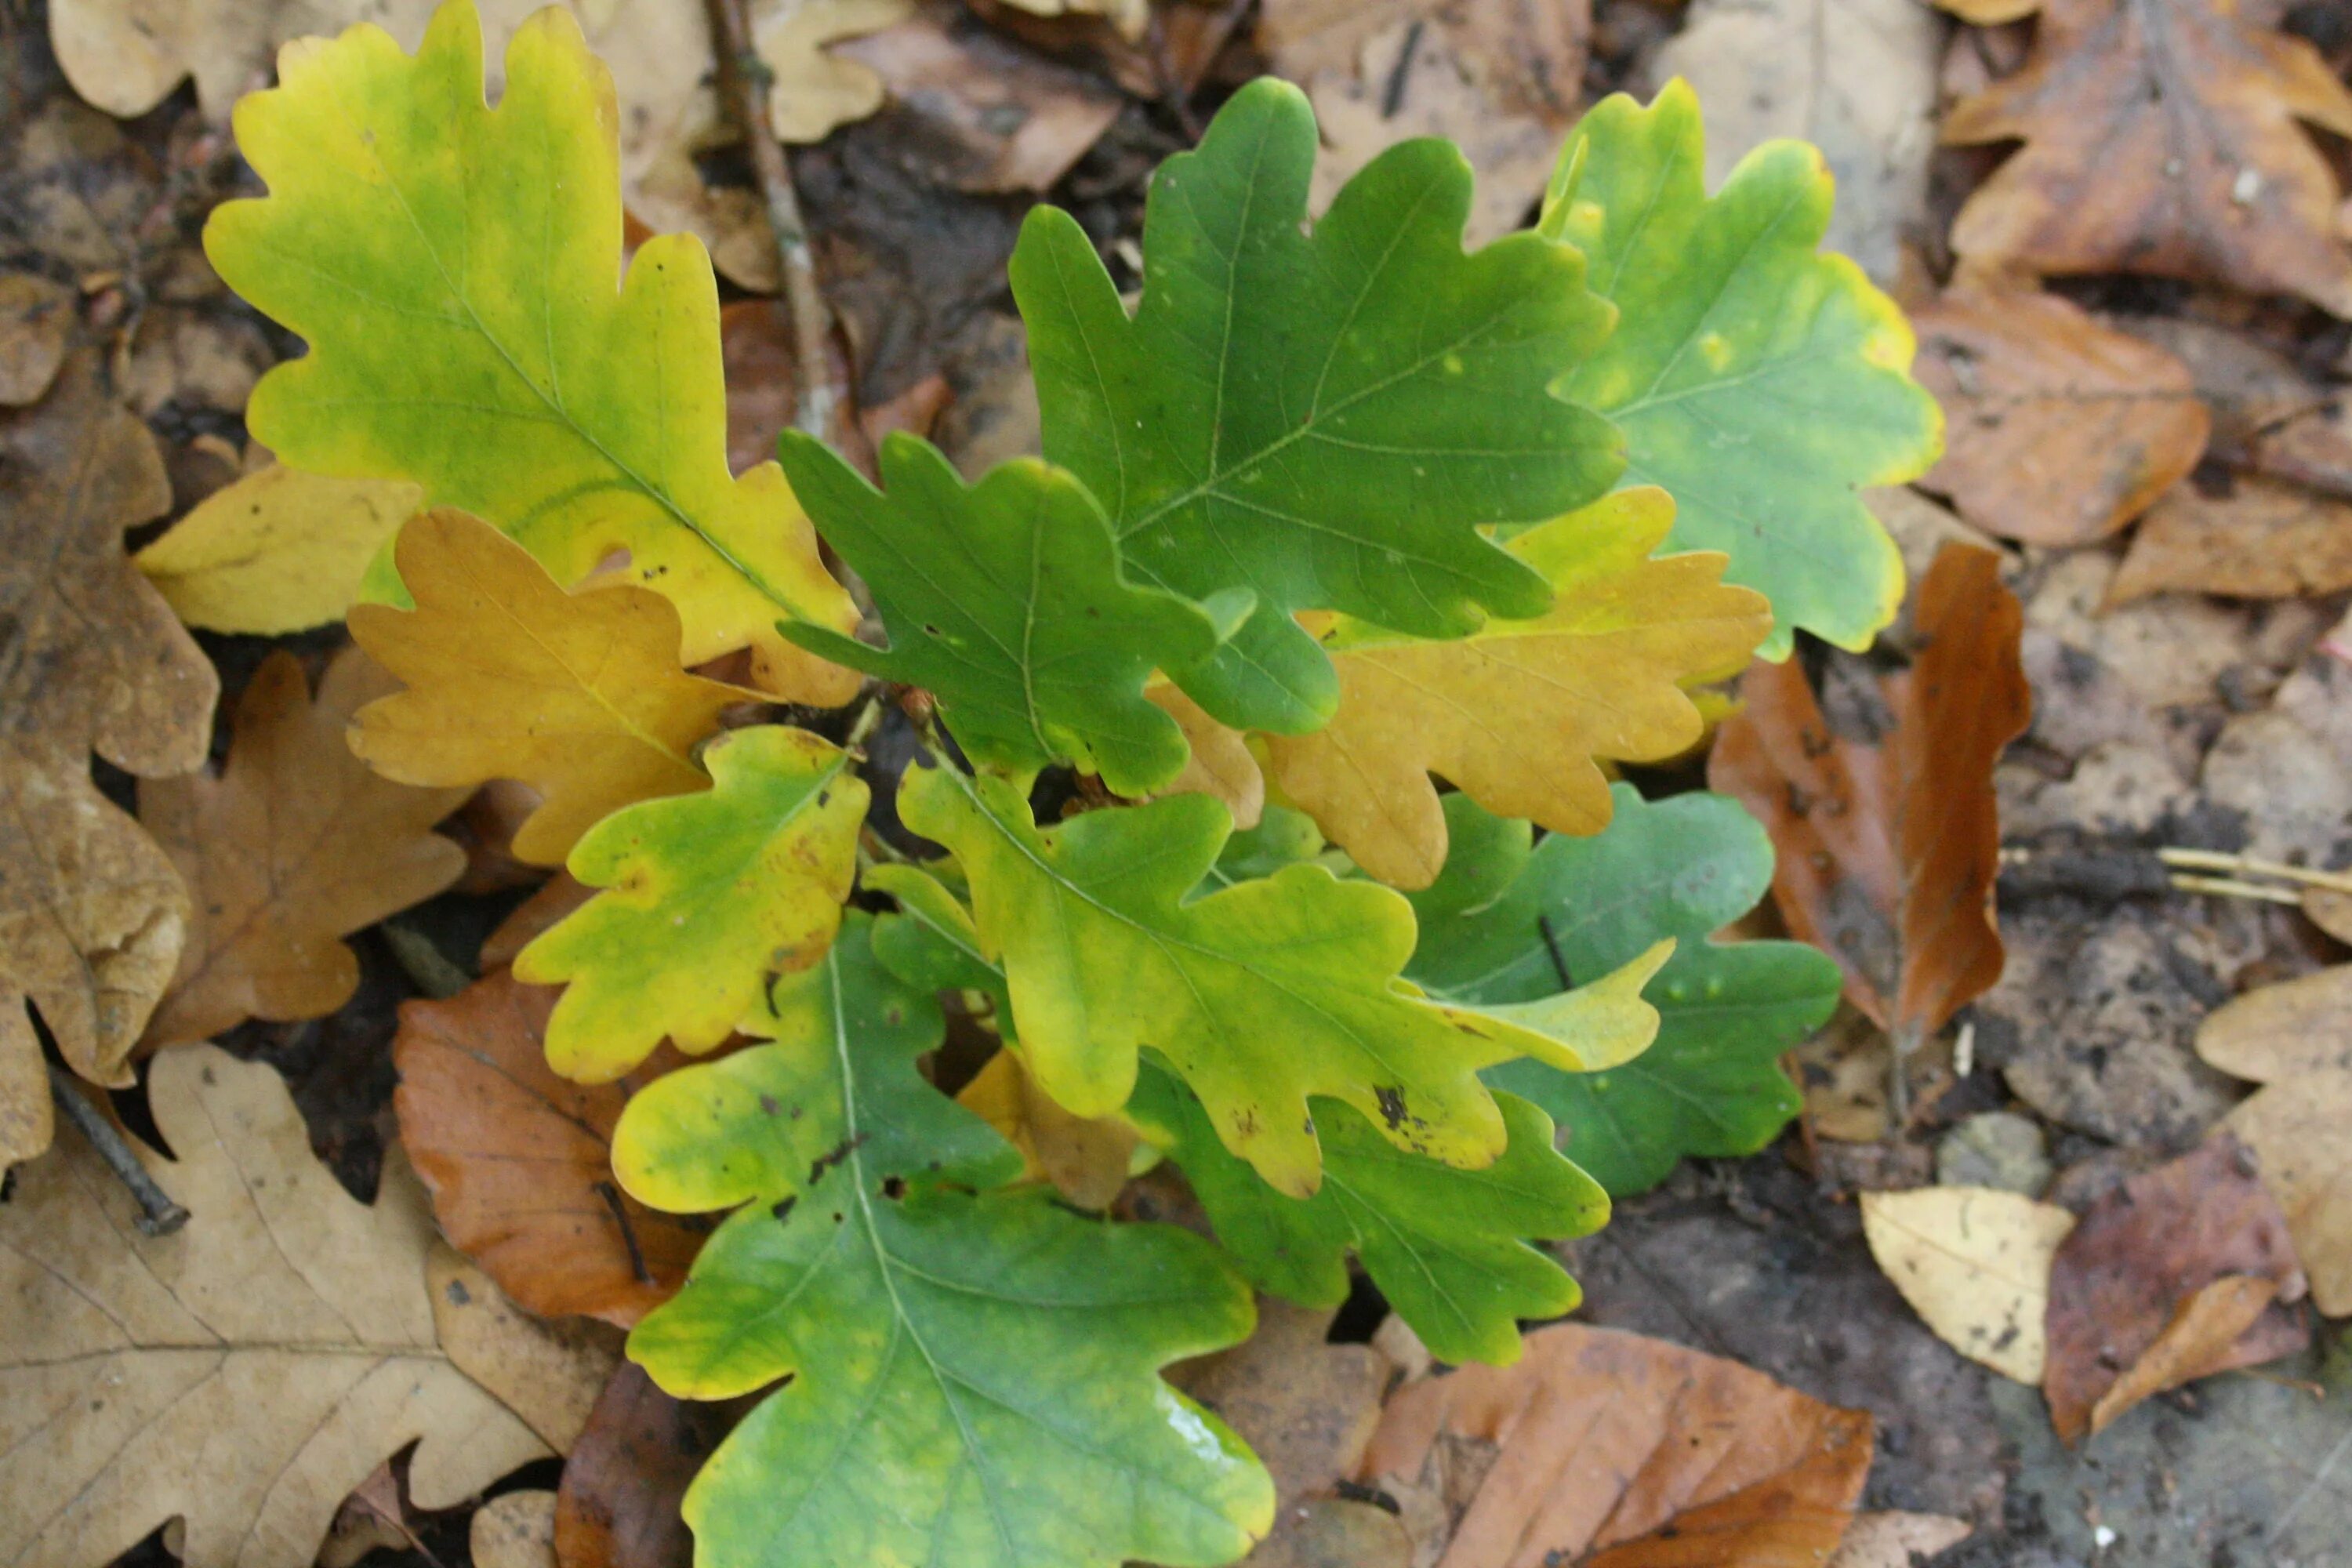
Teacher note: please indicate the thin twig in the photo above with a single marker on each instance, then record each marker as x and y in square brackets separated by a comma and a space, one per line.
[612, 1196]
[2252, 866]
[2231, 888]
[158, 1214]
[743, 82]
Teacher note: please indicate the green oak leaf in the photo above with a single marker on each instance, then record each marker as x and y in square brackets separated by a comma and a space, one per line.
[1260, 995]
[973, 1378]
[1761, 382]
[704, 896]
[1005, 600]
[1710, 1083]
[1445, 1247]
[1327, 418]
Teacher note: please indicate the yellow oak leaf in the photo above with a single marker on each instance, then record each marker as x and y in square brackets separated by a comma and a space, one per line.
[280, 550]
[578, 695]
[1520, 714]
[457, 271]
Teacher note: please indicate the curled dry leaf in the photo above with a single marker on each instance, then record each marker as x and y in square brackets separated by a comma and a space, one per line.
[92, 914]
[295, 845]
[2161, 137]
[2258, 538]
[519, 1161]
[1975, 1263]
[1888, 849]
[278, 551]
[242, 1375]
[2058, 430]
[1617, 1451]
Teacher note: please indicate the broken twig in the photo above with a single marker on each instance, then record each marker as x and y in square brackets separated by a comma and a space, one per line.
[158, 1214]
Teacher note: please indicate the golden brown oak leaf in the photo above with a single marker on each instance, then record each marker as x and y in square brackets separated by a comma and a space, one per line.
[2161, 137]
[1084, 1158]
[1520, 714]
[1611, 1450]
[520, 1161]
[578, 694]
[92, 912]
[293, 847]
[1889, 848]
[242, 1375]
[2057, 430]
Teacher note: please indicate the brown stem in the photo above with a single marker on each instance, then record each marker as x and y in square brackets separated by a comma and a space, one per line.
[158, 1214]
[743, 83]
[612, 1196]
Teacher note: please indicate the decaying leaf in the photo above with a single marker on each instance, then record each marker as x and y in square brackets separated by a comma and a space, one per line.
[2162, 137]
[519, 1160]
[278, 551]
[384, 169]
[2058, 430]
[1888, 845]
[37, 317]
[243, 1374]
[625, 1478]
[294, 847]
[1086, 1160]
[1975, 1263]
[811, 91]
[1616, 1451]
[92, 914]
[2291, 1038]
[578, 695]
[2259, 539]
[548, 1373]
[1522, 715]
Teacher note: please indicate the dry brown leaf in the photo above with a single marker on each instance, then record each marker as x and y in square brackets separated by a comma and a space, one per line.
[1335, 1533]
[92, 912]
[1974, 1262]
[1086, 1160]
[294, 847]
[1895, 1540]
[244, 1373]
[37, 316]
[519, 1161]
[2161, 137]
[2330, 911]
[618, 1504]
[812, 91]
[548, 1373]
[2259, 539]
[2058, 430]
[1307, 1407]
[555, 899]
[1611, 1450]
[2210, 1331]
[514, 1530]
[1888, 846]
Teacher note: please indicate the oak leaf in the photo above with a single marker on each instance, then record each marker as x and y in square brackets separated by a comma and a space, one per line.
[93, 914]
[1888, 850]
[242, 1375]
[704, 896]
[578, 695]
[278, 551]
[457, 272]
[294, 847]
[1520, 715]
[2161, 137]
[1086, 1158]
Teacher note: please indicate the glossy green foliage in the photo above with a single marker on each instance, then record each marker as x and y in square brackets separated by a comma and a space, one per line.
[1006, 601]
[972, 1375]
[1447, 1248]
[1683, 868]
[1761, 382]
[1325, 418]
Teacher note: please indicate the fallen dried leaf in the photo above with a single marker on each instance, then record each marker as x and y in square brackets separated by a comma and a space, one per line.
[242, 1375]
[1615, 1451]
[278, 551]
[37, 316]
[2058, 430]
[548, 1373]
[1307, 1407]
[294, 847]
[624, 1478]
[2259, 539]
[1897, 1540]
[1974, 1262]
[514, 1530]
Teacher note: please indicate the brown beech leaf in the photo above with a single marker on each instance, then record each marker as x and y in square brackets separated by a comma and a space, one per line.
[2161, 137]
[519, 1161]
[1888, 846]
[293, 847]
[2180, 1272]
[628, 1472]
[2259, 540]
[1611, 1450]
[92, 912]
[2057, 430]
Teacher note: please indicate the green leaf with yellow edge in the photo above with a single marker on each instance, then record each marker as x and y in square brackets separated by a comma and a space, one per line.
[1761, 382]
[1326, 419]
[1006, 601]
[1521, 713]
[1260, 995]
[1446, 1248]
[1677, 868]
[578, 695]
[278, 551]
[457, 272]
[973, 1378]
[705, 897]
